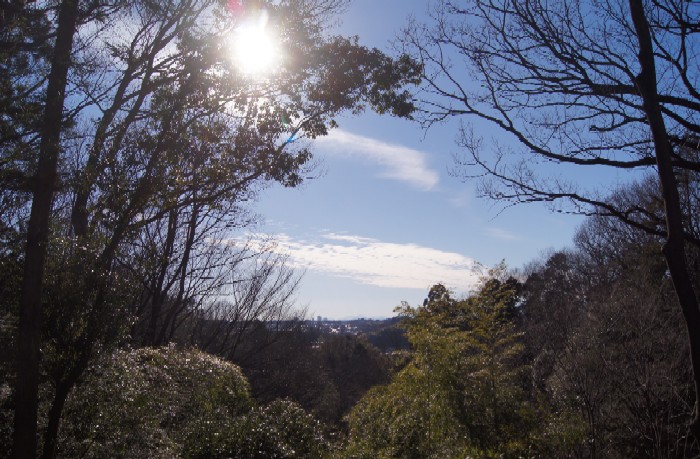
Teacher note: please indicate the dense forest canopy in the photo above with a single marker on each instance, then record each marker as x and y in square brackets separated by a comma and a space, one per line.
[132, 144]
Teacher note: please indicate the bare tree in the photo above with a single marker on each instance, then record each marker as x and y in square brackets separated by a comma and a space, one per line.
[257, 286]
[607, 338]
[599, 84]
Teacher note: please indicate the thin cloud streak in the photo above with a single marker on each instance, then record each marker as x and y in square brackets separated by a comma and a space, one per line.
[401, 163]
[500, 233]
[383, 264]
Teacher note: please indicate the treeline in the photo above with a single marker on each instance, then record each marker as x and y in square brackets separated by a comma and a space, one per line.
[582, 354]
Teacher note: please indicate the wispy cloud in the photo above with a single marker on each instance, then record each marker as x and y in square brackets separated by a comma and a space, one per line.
[500, 233]
[400, 163]
[383, 264]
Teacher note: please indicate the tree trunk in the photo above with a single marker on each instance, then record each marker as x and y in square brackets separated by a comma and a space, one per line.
[51, 435]
[29, 333]
[674, 248]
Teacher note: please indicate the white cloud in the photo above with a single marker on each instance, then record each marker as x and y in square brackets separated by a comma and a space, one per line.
[400, 163]
[382, 264]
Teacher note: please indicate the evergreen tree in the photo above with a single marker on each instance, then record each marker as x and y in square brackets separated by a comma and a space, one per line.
[464, 390]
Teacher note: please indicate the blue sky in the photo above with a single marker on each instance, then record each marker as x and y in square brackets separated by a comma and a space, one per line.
[385, 220]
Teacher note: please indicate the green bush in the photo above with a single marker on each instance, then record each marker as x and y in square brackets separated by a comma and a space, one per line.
[280, 430]
[147, 402]
[166, 403]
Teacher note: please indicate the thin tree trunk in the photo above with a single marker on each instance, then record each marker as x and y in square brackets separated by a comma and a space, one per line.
[29, 333]
[159, 296]
[674, 248]
[51, 435]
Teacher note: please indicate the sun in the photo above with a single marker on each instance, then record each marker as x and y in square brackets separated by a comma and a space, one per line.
[255, 50]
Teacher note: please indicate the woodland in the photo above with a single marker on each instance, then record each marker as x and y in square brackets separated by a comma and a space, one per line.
[131, 147]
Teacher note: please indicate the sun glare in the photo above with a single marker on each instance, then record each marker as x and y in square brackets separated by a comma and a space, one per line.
[255, 51]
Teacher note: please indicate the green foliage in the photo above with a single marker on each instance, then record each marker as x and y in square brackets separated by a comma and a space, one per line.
[326, 374]
[73, 331]
[353, 366]
[165, 402]
[412, 418]
[23, 60]
[146, 403]
[464, 391]
[280, 430]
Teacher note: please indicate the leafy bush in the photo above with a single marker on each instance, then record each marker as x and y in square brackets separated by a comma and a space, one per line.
[280, 430]
[166, 402]
[146, 402]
